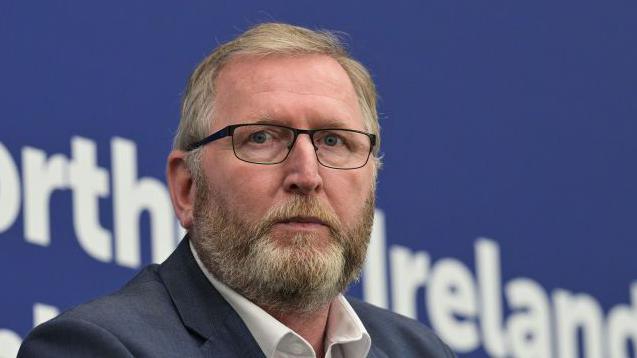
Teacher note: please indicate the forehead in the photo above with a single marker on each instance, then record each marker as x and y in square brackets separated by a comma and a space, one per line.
[310, 89]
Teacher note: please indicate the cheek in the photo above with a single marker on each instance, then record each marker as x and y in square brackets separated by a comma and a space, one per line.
[247, 190]
[348, 194]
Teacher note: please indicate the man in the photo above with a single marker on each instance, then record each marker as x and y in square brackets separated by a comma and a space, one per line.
[273, 175]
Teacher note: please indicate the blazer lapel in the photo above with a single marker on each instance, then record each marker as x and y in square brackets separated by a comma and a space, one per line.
[202, 308]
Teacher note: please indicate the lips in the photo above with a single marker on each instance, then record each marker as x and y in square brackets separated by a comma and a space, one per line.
[303, 220]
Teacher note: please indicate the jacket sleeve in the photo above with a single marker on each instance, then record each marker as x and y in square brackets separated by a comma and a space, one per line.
[70, 337]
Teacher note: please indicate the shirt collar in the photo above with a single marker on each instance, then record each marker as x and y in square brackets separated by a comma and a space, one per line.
[344, 328]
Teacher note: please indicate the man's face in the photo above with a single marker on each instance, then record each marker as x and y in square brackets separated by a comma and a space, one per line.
[296, 229]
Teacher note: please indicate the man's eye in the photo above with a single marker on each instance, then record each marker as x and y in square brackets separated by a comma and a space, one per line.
[332, 140]
[259, 137]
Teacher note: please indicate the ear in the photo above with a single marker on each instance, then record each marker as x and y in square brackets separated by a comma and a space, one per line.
[181, 186]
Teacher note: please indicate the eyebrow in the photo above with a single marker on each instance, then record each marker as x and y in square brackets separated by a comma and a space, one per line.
[332, 123]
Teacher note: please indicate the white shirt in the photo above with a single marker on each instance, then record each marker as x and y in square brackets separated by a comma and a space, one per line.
[346, 337]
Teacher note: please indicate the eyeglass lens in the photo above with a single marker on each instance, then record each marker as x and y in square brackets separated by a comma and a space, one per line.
[269, 144]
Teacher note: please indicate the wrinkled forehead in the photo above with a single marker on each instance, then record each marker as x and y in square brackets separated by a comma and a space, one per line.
[260, 73]
[304, 79]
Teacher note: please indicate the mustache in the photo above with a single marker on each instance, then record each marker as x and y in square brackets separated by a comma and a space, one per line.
[299, 207]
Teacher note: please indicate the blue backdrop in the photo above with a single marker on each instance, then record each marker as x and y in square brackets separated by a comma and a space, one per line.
[506, 207]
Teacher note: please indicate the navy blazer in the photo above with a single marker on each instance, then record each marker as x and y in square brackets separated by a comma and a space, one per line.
[172, 310]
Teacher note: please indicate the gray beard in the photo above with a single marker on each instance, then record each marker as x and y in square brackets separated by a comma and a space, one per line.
[281, 274]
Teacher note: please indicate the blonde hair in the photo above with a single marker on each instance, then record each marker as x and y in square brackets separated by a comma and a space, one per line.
[268, 39]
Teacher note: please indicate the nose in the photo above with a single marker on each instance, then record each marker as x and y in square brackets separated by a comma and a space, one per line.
[302, 168]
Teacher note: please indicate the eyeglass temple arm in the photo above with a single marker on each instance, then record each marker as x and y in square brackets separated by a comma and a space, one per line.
[227, 131]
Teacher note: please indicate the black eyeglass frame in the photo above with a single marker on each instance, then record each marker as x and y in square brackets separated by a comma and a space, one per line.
[228, 131]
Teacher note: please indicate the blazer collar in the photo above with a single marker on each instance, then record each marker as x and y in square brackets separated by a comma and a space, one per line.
[202, 308]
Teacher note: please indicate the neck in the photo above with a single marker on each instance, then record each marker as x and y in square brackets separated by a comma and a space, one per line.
[309, 325]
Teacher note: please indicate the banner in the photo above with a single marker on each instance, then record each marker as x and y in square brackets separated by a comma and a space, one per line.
[506, 206]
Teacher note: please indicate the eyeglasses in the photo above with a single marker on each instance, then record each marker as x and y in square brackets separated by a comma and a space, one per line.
[271, 144]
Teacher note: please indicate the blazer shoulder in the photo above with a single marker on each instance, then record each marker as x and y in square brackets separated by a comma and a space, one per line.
[140, 296]
[72, 337]
[138, 320]
[398, 335]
